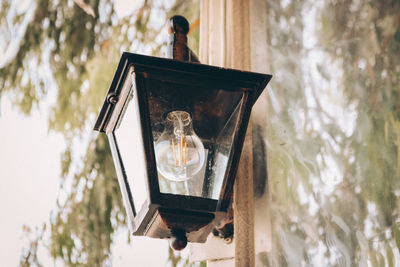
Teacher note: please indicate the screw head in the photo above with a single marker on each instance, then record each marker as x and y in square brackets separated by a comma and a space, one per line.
[112, 99]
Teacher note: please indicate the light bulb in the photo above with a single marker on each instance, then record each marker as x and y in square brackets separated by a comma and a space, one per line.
[179, 151]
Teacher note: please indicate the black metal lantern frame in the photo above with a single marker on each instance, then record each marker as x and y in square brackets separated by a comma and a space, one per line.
[219, 102]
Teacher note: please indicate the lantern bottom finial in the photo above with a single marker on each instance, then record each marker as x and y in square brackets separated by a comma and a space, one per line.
[178, 240]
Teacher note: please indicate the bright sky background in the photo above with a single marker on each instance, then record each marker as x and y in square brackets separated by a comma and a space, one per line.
[29, 164]
[29, 179]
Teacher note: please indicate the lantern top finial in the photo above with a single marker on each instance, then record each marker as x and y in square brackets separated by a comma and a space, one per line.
[178, 24]
[178, 49]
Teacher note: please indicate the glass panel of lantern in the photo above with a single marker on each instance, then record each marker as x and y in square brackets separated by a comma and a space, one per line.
[128, 141]
[192, 130]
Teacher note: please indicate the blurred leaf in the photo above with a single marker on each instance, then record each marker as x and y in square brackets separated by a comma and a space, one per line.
[389, 256]
[66, 160]
[397, 237]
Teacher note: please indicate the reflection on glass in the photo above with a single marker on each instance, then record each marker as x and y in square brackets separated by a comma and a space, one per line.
[129, 140]
[223, 145]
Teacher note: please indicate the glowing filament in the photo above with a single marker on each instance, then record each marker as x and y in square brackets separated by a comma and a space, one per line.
[180, 151]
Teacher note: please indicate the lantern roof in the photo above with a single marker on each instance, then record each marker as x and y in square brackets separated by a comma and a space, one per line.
[179, 72]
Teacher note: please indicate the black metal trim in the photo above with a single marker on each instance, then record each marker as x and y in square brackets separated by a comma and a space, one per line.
[126, 182]
[184, 202]
[150, 161]
[115, 88]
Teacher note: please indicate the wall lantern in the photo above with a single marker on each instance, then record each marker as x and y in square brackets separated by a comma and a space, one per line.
[176, 131]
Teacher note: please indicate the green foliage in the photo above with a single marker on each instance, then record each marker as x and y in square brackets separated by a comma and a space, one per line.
[35, 239]
[82, 233]
[333, 132]
[67, 56]
[70, 36]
